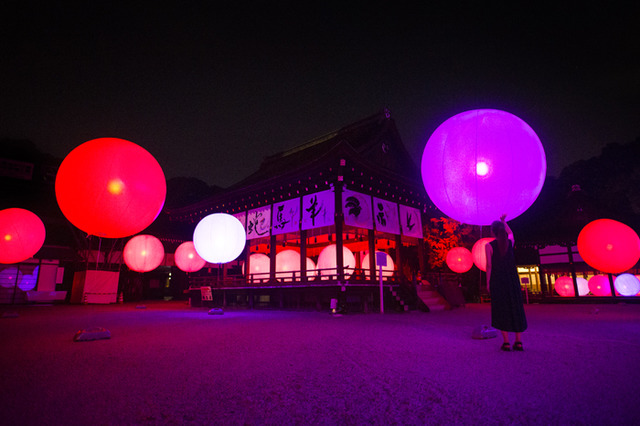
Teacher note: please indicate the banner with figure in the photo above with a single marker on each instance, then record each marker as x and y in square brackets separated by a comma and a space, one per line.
[258, 222]
[385, 214]
[318, 209]
[286, 217]
[410, 221]
[356, 209]
[242, 217]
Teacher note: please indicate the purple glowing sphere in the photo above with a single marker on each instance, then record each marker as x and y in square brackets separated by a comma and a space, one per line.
[482, 163]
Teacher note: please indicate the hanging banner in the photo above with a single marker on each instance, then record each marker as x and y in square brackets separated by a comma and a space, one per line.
[318, 209]
[356, 209]
[258, 222]
[286, 217]
[242, 217]
[410, 221]
[385, 214]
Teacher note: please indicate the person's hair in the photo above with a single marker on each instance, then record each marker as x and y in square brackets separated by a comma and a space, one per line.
[497, 227]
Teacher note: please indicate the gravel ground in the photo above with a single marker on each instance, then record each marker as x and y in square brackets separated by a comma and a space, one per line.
[172, 364]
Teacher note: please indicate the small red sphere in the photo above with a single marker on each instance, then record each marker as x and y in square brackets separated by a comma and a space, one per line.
[22, 234]
[143, 253]
[187, 258]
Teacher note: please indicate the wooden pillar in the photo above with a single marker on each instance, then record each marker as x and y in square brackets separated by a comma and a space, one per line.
[372, 255]
[339, 226]
[272, 259]
[398, 258]
[303, 256]
[247, 264]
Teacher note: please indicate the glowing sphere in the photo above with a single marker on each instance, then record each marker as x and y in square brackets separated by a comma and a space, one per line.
[387, 271]
[311, 269]
[219, 238]
[327, 261]
[110, 187]
[627, 285]
[478, 253]
[260, 266]
[609, 246]
[599, 285]
[459, 259]
[187, 258]
[482, 163]
[564, 287]
[22, 234]
[143, 253]
[287, 261]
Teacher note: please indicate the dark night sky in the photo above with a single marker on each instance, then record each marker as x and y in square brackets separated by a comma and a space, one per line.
[211, 90]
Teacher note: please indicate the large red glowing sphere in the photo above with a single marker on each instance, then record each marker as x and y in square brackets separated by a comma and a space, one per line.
[459, 259]
[564, 286]
[482, 163]
[187, 258]
[110, 187]
[627, 285]
[22, 234]
[327, 261]
[599, 285]
[478, 253]
[143, 253]
[219, 238]
[609, 246]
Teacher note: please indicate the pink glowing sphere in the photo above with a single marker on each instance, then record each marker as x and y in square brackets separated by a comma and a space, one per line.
[327, 261]
[609, 246]
[564, 286]
[627, 285]
[259, 266]
[219, 238]
[187, 258]
[460, 260]
[110, 187]
[143, 253]
[311, 269]
[387, 271]
[482, 163]
[287, 262]
[479, 254]
[22, 234]
[599, 285]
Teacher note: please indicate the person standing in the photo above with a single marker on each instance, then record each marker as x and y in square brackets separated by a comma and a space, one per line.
[503, 284]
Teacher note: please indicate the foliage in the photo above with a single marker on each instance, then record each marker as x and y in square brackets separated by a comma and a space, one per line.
[441, 235]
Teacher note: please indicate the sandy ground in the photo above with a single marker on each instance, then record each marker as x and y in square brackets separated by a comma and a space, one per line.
[172, 364]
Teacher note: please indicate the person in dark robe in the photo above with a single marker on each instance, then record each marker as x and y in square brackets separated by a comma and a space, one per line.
[503, 284]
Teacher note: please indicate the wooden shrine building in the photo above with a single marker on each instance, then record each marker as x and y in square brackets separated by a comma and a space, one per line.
[313, 213]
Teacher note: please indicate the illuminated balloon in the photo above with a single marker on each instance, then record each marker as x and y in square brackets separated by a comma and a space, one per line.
[459, 259]
[327, 261]
[482, 163]
[479, 254]
[29, 281]
[110, 187]
[260, 266]
[599, 285]
[287, 261]
[311, 269]
[219, 238]
[22, 234]
[143, 253]
[564, 286]
[187, 258]
[627, 285]
[609, 246]
[387, 271]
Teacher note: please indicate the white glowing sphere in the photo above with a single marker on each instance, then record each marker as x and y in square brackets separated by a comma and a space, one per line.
[259, 266]
[627, 284]
[599, 285]
[327, 261]
[387, 271]
[287, 263]
[219, 238]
